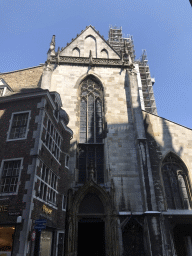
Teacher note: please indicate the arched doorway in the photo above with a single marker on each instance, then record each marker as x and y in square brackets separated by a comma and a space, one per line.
[91, 228]
[92, 222]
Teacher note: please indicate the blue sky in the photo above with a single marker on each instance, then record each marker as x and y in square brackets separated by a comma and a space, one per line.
[162, 27]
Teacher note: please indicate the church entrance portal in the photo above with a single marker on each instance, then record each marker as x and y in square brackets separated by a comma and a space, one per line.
[91, 237]
[92, 222]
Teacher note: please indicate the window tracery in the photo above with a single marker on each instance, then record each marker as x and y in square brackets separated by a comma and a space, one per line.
[176, 183]
[91, 130]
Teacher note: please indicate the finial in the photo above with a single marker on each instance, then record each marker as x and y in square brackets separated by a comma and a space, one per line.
[51, 51]
[53, 40]
[90, 58]
[58, 53]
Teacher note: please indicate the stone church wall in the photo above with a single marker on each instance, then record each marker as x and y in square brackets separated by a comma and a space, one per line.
[164, 136]
[120, 152]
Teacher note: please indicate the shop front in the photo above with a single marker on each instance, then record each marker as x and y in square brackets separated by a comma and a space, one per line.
[6, 240]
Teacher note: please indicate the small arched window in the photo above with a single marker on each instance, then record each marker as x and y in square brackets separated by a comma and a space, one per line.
[104, 54]
[76, 52]
[176, 183]
[91, 130]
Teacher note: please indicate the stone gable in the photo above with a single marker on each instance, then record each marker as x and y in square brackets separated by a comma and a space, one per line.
[88, 40]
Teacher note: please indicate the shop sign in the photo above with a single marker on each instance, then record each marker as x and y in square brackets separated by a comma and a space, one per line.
[3, 208]
[40, 227]
[47, 210]
[40, 221]
[14, 213]
[40, 224]
[33, 236]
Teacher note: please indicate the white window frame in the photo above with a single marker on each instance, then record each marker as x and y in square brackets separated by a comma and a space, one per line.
[67, 161]
[19, 176]
[54, 190]
[53, 139]
[64, 202]
[11, 121]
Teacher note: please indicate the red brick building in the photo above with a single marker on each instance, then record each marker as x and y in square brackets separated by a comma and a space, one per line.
[34, 156]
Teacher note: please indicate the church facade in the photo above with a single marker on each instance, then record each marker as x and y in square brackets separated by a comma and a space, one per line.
[130, 171]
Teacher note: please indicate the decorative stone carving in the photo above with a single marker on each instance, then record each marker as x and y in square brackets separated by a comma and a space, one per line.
[93, 61]
[58, 55]
[90, 59]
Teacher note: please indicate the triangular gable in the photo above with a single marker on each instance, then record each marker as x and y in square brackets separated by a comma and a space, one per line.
[3, 84]
[90, 39]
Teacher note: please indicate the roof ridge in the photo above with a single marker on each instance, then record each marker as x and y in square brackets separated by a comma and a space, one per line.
[167, 119]
[40, 65]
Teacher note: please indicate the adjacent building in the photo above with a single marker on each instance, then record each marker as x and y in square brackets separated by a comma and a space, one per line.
[34, 159]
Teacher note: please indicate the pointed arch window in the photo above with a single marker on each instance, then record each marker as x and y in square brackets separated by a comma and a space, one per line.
[91, 130]
[176, 183]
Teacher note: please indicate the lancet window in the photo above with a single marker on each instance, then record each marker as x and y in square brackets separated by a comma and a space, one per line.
[91, 130]
[176, 183]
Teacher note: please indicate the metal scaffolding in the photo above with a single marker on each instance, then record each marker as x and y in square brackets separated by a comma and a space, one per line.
[147, 84]
[116, 40]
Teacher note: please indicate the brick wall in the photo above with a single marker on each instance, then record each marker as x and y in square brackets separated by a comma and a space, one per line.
[17, 148]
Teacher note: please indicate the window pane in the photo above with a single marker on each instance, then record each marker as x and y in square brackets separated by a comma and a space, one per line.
[82, 164]
[83, 120]
[175, 189]
[19, 125]
[91, 131]
[174, 183]
[9, 176]
[184, 192]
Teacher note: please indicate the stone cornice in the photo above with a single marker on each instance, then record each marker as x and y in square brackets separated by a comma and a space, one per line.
[95, 61]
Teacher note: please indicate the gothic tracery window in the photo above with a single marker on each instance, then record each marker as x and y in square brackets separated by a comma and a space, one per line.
[91, 130]
[176, 183]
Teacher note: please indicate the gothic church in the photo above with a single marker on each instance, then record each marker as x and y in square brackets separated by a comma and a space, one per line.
[130, 171]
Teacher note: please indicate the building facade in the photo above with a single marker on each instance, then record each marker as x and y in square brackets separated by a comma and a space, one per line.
[130, 170]
[34, 157]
